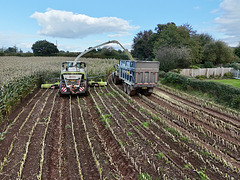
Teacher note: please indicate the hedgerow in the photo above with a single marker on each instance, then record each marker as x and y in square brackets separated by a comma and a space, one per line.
[223, 93]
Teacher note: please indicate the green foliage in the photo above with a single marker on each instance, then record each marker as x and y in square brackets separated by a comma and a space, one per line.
[234, 65]
[187, 166]
[161, 74]
[144, 176]
[201, 77]
[208, 64]
[170, 35]
[222, 92]
[44, 48]
[130, 134]
[228, 75]
[217, 53]
[171, 57]
[204, 39]
[173, 131]
[202, 175]
[184, 138]
[106, 53]
[142, 46]
[205, 153]
[12, 92]
[160, 155]
[145, 124]
[232, 82]
[180, 46]
[11, 50]
[176, 78]
[67, 126]
[237, 51]
[106, 119]
[194, 67]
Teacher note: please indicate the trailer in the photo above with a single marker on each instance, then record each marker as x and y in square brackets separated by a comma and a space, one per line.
[136, 76]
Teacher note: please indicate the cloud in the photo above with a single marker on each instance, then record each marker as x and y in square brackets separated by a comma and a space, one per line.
[197, 7]
[20, 40]
[229, 21]
[64, 24]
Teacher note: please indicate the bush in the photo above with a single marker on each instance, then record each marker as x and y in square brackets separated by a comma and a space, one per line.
[172, 77]
[201, 77]
[194, 67]
[171, 58]
[222, 92]
[161, 74]
[235, 66]
[208, 64]
[228, 75]
[211, 76]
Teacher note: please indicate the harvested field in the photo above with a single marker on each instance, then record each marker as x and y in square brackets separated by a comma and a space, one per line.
[109, 135]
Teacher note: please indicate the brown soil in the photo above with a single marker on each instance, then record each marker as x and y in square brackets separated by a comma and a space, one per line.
[109, 135]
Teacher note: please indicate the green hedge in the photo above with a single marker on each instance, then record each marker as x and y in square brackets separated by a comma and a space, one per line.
[222, 92]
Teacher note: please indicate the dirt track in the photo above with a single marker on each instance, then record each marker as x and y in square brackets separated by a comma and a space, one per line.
[109, 135]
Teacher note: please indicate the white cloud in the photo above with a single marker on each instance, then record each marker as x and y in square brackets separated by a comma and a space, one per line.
[229, 21]
[66, 24]
[197, 7]
[11, 39]
[119, 35]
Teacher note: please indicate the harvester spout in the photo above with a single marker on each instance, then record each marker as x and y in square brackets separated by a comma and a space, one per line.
[113, 41]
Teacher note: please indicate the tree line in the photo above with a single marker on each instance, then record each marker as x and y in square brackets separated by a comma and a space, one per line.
[45, 48]
[181, 47]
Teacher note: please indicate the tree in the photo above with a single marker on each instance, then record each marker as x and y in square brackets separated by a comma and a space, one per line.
[172, 57]
[142, 46]
[237, 51]
[169, 35]
[217, 52]
[205, 38]
[44, 48]
[11, 50]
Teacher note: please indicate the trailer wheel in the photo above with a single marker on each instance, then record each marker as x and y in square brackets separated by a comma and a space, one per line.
[115, 81]
[125, 87]
[146, 92]
[129, 91]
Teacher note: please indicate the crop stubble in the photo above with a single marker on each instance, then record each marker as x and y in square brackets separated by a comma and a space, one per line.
[110, 135]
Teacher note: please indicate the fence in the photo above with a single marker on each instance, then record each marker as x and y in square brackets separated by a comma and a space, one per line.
[206, 72]
[236, 73]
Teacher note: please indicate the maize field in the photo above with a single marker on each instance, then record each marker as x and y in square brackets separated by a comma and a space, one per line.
[110, 135]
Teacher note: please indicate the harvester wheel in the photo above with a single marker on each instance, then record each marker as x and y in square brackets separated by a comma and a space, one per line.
[86, 92]
[60, 94]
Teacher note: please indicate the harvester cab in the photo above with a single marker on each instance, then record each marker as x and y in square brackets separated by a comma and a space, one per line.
[73, 78]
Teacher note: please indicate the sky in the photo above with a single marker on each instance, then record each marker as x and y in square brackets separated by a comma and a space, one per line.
[76, 25]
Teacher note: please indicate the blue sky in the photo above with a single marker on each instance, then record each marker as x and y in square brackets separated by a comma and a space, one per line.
[76, 25]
